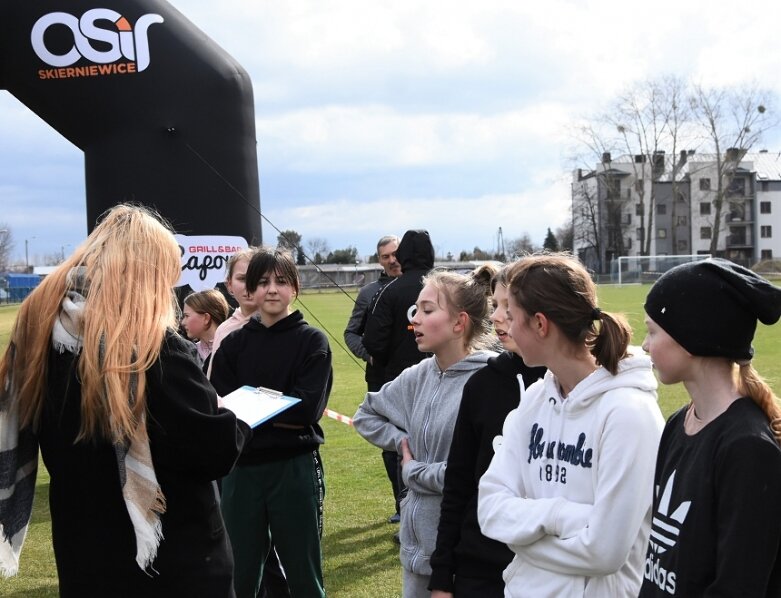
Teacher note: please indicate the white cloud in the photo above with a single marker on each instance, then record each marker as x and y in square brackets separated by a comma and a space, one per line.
[350, 89]
[354, 138]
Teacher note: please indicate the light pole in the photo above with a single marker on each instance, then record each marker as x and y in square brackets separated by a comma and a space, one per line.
[26, 255]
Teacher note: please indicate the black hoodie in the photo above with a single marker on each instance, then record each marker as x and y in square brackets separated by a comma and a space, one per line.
[388, 336]
[290, 356]
[489, 395]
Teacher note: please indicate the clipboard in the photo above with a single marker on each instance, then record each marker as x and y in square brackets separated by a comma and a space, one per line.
[257, 405]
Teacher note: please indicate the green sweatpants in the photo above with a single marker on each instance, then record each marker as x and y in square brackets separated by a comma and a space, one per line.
[281, 500]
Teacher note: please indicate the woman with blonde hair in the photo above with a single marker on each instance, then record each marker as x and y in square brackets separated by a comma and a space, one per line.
[127, 424]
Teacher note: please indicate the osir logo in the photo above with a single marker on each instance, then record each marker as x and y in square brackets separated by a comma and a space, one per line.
[100, 25]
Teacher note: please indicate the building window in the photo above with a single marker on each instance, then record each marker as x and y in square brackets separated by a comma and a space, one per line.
[683, 245]
[705, 232]
[613, 187]
[766, 232]
[640, 234]
[766, 254]
[626, 219]
[764, 207]
[661, 208]
[704, 208]
[681, 221]
[704, 184]
[639, 184]
[737, 187]
[661, 233]
[628, 243]
[638, 209]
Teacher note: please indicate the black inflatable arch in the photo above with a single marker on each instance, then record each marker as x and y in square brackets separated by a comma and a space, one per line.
[163, 115]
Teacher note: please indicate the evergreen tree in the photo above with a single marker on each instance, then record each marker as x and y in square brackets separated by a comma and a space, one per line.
[550, 243]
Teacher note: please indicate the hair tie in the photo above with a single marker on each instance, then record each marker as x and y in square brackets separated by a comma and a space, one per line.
[596, 314]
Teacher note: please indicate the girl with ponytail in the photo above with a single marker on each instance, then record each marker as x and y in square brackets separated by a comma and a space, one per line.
[717, 523]
[568, 489]
[414, 414]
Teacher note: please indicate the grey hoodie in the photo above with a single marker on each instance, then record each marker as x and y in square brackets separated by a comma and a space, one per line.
[422, 405]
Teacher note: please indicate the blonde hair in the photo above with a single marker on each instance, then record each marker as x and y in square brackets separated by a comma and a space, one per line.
[751, 384]
[557, 285]
[242, 254]
[130, 263]
[467, 293]
[210, 302]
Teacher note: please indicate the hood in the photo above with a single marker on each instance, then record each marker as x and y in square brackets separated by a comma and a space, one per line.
[294, 320]
[472, 362]
[506, 363]
[415, 251]
[634, 371]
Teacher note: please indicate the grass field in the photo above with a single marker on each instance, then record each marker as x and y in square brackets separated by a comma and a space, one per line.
[360, 558]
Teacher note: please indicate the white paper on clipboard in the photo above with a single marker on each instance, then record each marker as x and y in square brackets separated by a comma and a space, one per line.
[256, 405]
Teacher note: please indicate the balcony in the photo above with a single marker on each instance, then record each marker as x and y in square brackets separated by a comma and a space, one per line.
[740, 237]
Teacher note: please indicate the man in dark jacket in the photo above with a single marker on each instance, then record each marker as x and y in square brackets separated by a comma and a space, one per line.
[353, 333]
[388, 335]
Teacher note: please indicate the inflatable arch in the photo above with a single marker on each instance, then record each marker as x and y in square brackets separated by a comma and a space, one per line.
[163, 115]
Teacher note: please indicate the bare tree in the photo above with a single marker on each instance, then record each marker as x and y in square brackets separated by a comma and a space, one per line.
[651, 118]
[564, 235]
[54, 258]
[6, 246]
[731, 121]
[317, 249]
[586, 225]
[521, 246]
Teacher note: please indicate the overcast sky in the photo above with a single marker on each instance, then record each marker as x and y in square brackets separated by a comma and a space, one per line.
[445, 115]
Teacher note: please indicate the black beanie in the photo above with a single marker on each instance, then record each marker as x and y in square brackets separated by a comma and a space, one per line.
[711, 307]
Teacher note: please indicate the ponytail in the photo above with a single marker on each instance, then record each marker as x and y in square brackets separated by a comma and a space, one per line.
[557, 285]
[610, 340]
[751, 384]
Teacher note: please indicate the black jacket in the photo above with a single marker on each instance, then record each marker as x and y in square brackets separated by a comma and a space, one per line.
[388, 335]
[192, 443]
[489, 395]
[292, 357]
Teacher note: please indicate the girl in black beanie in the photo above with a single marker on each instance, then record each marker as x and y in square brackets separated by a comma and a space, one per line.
[716, 527]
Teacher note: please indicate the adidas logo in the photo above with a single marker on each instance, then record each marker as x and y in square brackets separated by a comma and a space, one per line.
[665, 527]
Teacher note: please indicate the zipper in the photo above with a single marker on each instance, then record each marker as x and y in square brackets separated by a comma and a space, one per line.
[427, 419]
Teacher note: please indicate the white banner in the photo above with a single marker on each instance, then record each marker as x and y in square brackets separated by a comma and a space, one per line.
[204, 259]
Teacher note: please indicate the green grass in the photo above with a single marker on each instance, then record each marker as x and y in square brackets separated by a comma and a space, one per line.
[360, 557]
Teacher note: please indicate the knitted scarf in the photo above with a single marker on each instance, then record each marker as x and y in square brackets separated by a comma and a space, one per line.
[142, 494]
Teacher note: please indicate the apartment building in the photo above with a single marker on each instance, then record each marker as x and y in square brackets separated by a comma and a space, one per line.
[669, 205]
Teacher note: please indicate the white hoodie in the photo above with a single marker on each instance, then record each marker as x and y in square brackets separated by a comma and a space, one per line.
[569, 490]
